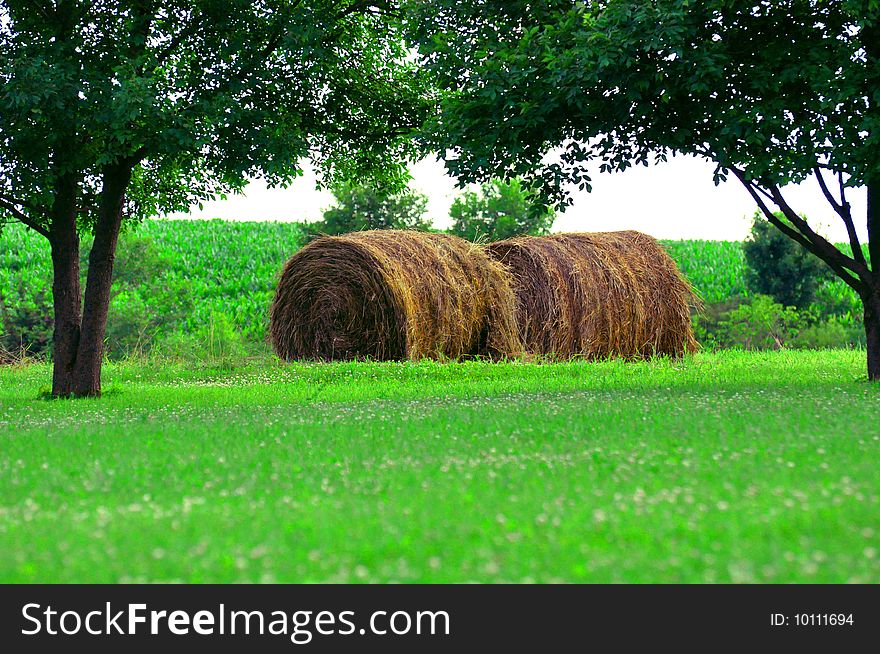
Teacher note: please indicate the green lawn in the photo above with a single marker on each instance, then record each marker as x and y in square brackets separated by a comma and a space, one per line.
[724, 467]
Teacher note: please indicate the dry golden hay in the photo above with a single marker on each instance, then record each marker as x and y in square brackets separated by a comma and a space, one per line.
[598, 295]
[392, 295]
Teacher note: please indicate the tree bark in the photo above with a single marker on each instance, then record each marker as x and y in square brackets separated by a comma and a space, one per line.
[87, 370]
[64, 242]
[871, 297]
[874, 226]
[872, 334]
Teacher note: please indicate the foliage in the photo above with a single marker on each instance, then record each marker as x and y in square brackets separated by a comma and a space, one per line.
[779, 267]
[198, 95]
[218, 340]
[769, 88]
[118, 110]
[26, 322]
[835, 299]
[716, 269]
[200, 473]
[361, 207]
[760, 323]
[174, 278]
[499, 210]
[139, 302]
[834, 332]
[708, 319]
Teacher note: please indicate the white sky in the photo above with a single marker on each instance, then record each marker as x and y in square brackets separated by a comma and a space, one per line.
[674, 200]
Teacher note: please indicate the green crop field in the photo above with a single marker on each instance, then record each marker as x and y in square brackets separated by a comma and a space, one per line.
[197, 270]
[233, 265]
[728, 466]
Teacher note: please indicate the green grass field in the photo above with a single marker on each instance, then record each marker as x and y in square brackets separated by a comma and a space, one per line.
[728, 467]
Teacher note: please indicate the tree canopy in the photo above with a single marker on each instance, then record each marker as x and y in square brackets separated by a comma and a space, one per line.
[199, 94]
[360, 207]
[500, 209]
[779, 267]
[769, 88]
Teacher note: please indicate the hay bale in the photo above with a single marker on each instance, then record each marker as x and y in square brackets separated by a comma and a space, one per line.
[392, 295]
[598, 295]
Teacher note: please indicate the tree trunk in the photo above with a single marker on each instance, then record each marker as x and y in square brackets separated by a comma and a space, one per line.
[87, 371]
[874, 226]
[872, 333]
[64, 242]
[871, 297]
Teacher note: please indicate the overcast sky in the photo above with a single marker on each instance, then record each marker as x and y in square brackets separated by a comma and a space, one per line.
[674, 200]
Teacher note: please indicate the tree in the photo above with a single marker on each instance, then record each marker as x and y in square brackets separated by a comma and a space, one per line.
[779, 267]
[360, 207]
[500, 210]
[118, 110]
[771, 92]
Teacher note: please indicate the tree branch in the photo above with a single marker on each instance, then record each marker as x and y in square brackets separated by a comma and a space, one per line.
[188, 30]
[16, 201]
[24, 218]
[821, 244]
[40, 8]
[832, 258]
[843, 210]
[763, 192]
[821, 179]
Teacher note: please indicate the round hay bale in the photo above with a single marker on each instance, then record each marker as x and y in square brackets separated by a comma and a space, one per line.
[393, 295]
[598, 295]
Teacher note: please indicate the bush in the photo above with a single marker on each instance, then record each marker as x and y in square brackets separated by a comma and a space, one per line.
[27, 318]
[141, 301]
[759, 323]
[360, 208]
[499, 210]
[708, 322]
[779, 267]
[831, 333]
[131, 325]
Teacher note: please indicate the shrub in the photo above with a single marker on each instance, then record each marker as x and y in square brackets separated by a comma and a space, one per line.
[707, 322]
[756, 323]
[831, 333]
[138, 261]
[131, 324]
[141, 301]
[762, 324]
[759, 323]
[498, 211]
[26, 318]
[779, 267]
[360, 208]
